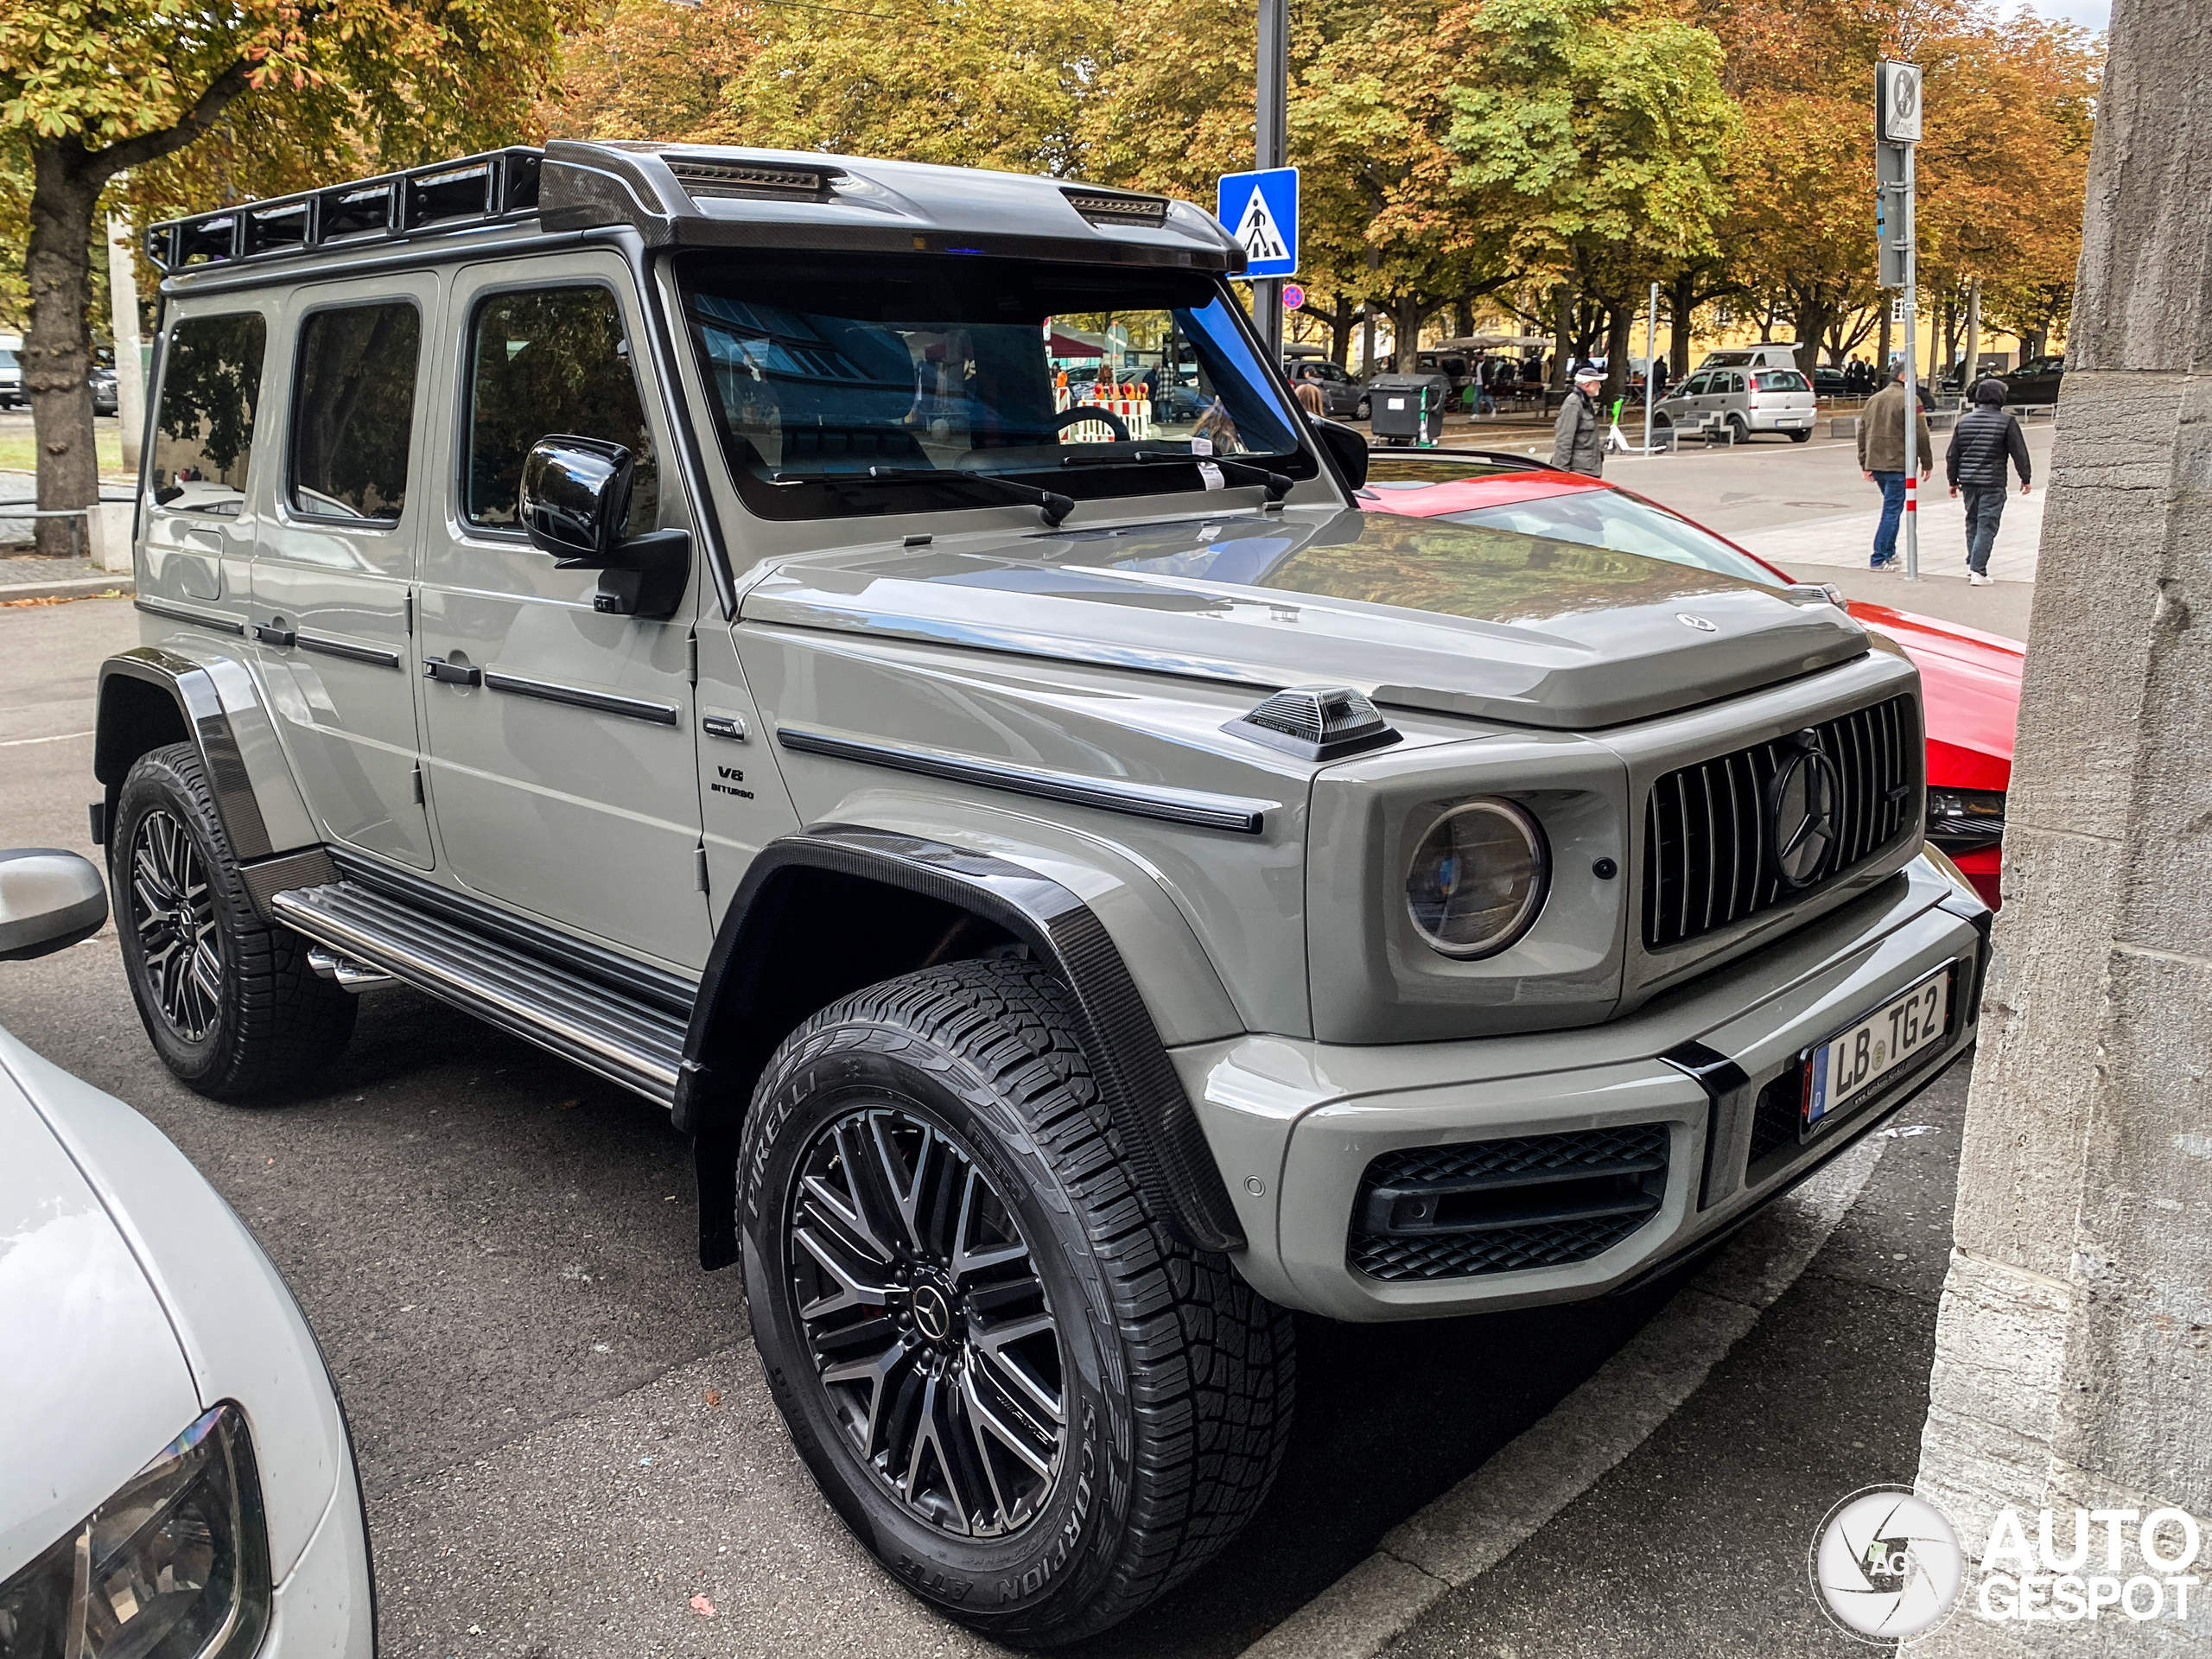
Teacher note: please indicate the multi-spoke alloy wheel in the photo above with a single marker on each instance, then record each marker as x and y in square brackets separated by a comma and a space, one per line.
[928, 1324]
[173, 912]
[227, 1000]
[1031, 1402]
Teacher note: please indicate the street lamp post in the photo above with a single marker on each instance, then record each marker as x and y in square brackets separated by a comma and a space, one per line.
[1896, 133]
[1272, 150]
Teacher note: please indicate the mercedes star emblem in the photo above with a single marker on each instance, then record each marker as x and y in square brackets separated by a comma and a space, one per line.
[1801, 815]
[1697, 622]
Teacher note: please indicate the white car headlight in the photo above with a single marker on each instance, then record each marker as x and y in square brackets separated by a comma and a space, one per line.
[1477, 880]
[175, 1565]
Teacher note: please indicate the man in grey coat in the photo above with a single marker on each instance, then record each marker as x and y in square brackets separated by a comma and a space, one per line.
[1579, 440]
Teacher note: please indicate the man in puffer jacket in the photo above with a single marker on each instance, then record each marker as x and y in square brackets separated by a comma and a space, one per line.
[1987, 435]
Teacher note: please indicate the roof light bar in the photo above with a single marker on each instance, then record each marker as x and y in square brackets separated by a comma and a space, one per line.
[771, 181]
[1117, 206]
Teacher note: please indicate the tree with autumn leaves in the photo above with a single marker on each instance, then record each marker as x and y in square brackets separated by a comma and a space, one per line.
[206, 105]
[1545, 159]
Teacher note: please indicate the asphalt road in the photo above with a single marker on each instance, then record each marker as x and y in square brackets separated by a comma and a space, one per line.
[563, 1432]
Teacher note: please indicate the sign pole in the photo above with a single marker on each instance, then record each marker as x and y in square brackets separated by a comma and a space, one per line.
[1651, 367]
[1912, 377]
[1274, 69]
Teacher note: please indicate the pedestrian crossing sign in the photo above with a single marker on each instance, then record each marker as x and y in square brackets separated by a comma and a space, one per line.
[1260, 211]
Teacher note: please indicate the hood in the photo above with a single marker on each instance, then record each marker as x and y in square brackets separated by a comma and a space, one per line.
[1970, 688]
[108, 1388]
[1450, 618]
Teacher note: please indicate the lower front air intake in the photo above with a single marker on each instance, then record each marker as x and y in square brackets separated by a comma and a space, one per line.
[1498, 1206]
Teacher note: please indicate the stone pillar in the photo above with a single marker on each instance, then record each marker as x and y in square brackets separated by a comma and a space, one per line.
[2073, 1349]
[123, 310]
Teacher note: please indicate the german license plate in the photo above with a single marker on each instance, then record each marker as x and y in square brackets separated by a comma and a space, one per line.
[1844, 1069]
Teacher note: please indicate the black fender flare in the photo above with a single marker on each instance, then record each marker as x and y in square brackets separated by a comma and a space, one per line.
[148, 696]
[724, 1053]
[191, 689]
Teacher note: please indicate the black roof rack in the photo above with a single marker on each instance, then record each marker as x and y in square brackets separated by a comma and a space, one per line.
[499, 185]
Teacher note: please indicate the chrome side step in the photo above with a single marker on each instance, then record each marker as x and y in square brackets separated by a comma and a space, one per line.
[603, 1029]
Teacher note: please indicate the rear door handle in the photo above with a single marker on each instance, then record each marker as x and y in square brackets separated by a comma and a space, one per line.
[436, 668]
[270, 634]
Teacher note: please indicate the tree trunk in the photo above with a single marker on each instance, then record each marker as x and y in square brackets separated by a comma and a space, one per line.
[1562, 332]
[1619, 321]
[1682, 307]
[57, 355]
[1973, 338]
[1340, 319]
[1405, 319]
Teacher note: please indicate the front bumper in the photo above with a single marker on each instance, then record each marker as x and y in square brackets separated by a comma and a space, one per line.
[1295, 1125]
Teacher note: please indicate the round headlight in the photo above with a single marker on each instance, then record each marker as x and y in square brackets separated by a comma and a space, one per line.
[1478, 879]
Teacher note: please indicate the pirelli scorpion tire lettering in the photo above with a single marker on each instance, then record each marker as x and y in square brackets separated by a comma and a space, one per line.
[1036, 1409]
[229, 1001]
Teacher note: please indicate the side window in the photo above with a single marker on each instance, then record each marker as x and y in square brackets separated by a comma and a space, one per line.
[554, 361]
[203, 432]
[353, 400]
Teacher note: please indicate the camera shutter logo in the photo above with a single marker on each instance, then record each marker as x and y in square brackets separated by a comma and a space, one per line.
[1801, 814]
[1886, 1564]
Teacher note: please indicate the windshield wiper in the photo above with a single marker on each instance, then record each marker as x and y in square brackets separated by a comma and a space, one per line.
[1278, 484]
[1051, 507]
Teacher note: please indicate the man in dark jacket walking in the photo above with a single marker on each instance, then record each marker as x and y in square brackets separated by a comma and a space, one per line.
[1579, 440]
[1987, 436]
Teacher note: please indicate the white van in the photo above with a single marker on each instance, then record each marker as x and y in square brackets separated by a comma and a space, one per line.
[1773, 355]
[11, 371]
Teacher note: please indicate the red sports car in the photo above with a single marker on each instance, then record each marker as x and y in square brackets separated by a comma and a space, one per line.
[1971, 679]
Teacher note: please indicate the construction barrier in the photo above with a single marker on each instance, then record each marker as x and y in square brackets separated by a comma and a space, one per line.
[1129, 401]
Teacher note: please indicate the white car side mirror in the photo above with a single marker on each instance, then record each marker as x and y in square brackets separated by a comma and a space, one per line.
[48, 900]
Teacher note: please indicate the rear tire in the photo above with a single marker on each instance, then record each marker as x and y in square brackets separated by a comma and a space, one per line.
[1738, 433]
[227, 1000]
[925, 1168]
[1801, 435]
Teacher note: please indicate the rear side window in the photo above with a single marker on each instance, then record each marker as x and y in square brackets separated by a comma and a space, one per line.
[552, 362]
[203, 433]
[1779, 380]
[354, 411]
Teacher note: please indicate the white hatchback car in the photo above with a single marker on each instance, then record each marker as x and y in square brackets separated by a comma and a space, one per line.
[1742, 400]
[175, 1475]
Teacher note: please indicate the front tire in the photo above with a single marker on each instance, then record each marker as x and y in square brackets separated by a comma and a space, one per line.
[1037, 1410]
[227, 1000]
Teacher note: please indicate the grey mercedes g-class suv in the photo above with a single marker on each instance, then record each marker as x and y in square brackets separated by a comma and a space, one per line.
[872, 658]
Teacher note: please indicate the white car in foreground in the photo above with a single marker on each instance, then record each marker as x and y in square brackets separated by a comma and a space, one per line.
[176, 1477]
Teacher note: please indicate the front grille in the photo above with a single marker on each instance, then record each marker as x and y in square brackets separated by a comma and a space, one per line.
[1494, 1206]
[1708, 854]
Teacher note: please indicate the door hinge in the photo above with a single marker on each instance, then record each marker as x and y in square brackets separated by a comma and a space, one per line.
[691, 658]
[418, 783]
[699, 866]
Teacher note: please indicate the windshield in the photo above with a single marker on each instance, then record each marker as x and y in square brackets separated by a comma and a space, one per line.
[930, 370]
[1608, 518]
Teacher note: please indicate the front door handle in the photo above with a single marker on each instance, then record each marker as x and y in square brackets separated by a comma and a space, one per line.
[273, 634]
[436, 668]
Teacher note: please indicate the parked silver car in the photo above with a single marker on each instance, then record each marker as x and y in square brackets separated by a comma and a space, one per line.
[1085, 888]
[175, 1477]
[1744, 401]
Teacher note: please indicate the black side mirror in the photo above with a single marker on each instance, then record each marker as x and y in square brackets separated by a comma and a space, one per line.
[48, 900]
[1346, 446]
[574, 494]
